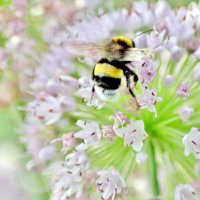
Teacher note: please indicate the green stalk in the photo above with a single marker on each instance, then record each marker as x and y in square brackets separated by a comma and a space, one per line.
[153, 171]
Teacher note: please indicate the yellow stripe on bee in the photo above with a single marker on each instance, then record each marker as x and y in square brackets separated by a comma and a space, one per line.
[107, 70]
[123, 39]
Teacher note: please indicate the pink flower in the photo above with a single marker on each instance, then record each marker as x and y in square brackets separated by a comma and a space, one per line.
[183, 90]
[147, 70]
[120, 119]
[53, 86]
[196, 185]
[148, 100]
[69, 142]
[108, 132]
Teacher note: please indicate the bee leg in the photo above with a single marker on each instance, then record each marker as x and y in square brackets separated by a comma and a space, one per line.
[135, 79]
[128, 72]
[127, 75]
[93, 90]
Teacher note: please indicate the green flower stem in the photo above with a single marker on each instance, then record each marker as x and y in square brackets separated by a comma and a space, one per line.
[153, 171]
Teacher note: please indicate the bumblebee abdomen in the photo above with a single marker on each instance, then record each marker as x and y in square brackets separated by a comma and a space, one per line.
[107, 70]
[107, 83]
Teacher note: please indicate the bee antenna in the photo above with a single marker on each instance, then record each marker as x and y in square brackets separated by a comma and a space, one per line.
[149, 30]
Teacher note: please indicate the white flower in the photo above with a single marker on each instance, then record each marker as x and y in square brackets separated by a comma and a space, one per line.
[90, 97]
[185, 192]
[47, 153]
[46, 108]
[71, 181]
[84, 82]
[176, 53]
[111, 183]
[68, 185]
[141, 157]
[197, 53]
[196, 74]
[168, 80]
[133, 134]
[76, 163]
[67, 104]
[155, 41]
[91, 134]
[192, 142]
[185, 113]
[148, 100]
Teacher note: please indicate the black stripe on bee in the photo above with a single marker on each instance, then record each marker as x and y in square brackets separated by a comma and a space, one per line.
[107, 83]
[115, 63]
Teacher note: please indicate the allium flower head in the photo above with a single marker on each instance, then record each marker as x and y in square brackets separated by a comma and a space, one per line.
[47, 55]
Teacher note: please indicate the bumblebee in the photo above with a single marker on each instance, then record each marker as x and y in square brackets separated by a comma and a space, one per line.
[112, 66]
[107, 76]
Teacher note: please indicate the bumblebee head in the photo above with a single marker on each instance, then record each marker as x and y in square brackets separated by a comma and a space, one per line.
[124, 41]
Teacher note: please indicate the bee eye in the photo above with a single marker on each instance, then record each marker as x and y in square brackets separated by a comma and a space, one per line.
[133, 43]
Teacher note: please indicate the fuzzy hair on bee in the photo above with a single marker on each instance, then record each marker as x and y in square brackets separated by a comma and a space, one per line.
[111, 68]
[119, 48]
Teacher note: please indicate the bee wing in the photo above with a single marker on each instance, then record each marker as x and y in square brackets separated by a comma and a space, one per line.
[85, 48]
[136, 54]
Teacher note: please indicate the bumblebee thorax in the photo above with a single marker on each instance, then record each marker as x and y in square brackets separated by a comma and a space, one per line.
[123, 41]
[117, 47]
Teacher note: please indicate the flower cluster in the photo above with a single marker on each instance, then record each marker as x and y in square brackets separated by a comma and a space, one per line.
[100, 143]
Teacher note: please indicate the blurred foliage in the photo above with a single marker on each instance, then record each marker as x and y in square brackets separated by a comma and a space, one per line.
[5, 3]
[3, 40]
[181, 2]
[10, 118]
